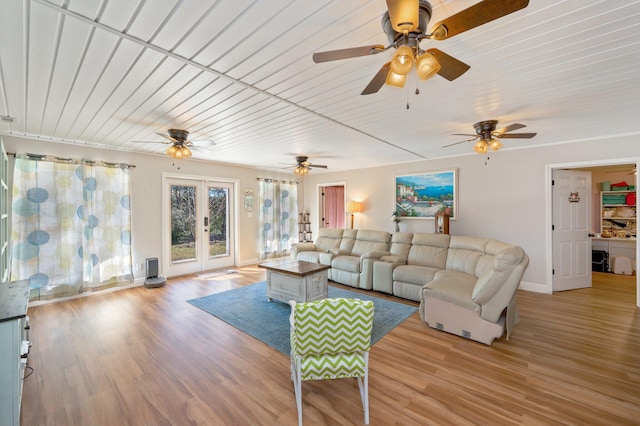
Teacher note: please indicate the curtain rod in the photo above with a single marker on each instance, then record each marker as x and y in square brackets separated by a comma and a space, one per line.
[54, 159]
[276, 180]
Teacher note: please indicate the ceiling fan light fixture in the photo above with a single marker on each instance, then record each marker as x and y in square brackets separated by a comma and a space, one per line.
[495, 144]
[402, 61]
[186, 152]
[481, 147]
[301, 170]
[394, 79]
[404, 15]
[427, 66]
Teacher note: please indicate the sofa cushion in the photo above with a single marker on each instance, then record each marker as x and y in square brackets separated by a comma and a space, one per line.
[414, 274]
[453, 286]
[309, 256]
[348, 239]
[494, 278]
[368, 240]
[466, 255]
[429, 250]
[325, 258]
[346, 263]
[508, 258]
[328, 238]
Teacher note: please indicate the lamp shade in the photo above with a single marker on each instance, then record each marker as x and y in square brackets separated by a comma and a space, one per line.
[402, 61]
[481, 147]
[427, 66]
[495, 144]
[172, 151]
[394, 79]
[354, 207]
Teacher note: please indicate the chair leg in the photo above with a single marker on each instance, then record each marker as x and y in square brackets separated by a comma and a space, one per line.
[297, 388]
[363, 385]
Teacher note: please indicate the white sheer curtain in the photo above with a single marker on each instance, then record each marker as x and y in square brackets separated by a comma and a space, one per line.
[71, 226]
[277, 217]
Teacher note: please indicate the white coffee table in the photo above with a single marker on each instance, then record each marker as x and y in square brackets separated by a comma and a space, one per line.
[295, 280]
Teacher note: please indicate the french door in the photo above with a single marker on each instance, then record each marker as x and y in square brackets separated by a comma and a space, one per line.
[198, 225]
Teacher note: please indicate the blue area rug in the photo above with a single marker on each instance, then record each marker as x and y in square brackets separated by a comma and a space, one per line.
[247, 309]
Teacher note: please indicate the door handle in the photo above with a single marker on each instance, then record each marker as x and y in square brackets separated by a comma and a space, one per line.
[206, 221]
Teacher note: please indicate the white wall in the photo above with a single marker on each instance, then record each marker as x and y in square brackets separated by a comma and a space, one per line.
[505, 199]
[146, 192]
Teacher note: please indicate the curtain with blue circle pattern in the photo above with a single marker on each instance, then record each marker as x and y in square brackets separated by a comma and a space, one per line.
[277, 218]
[71, 226]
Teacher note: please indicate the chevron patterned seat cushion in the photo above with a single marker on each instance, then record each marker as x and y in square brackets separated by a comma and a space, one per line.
[329, 337]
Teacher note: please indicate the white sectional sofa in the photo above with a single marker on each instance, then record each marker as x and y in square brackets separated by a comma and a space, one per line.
[465, 285]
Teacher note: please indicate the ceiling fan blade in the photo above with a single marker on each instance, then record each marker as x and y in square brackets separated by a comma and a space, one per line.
[458, 143]
[510, 128]
[353, 52]
[202, 143]
[317, 166]
[164, 135]
[378, 80]
[464, 134]
[476, 15]
[403, 14]
[516, 135]
[450, 67]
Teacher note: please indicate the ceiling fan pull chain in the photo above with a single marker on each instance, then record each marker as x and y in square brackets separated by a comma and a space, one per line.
[407, 93]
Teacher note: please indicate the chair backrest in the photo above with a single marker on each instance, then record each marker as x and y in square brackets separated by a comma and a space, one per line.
[331, 326]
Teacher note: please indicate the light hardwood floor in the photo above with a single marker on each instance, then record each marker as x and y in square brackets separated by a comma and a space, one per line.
[146, 357]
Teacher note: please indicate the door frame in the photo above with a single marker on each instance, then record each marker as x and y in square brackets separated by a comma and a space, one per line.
[549, 214]
[166, 214]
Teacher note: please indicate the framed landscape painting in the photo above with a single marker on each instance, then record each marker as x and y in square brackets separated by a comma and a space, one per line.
[421, 196]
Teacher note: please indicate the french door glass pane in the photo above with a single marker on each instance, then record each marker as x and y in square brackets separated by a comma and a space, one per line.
[218, 221]
[183, 223]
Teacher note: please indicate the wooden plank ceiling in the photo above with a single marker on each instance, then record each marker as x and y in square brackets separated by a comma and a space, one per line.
[240, 73]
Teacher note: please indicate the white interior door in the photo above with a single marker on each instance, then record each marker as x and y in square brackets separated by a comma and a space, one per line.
[571, 227]
[198, 224]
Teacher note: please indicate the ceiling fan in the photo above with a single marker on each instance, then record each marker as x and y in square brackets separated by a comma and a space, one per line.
[405, 24]
[488, 135]
[303, 165]
[180, 144]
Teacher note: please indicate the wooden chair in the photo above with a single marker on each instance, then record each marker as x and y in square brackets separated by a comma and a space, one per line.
[330, 339]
